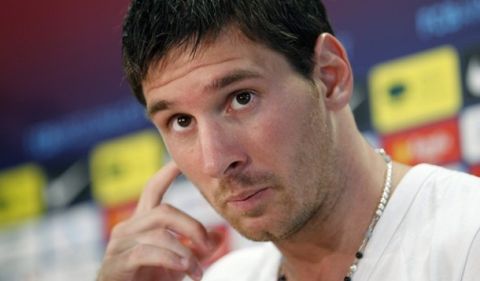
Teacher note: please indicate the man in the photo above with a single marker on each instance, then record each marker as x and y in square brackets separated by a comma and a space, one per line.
[251, 99]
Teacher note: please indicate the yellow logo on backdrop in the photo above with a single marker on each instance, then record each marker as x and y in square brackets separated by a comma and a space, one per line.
[21, 193]
[121, 167]
[415, 90]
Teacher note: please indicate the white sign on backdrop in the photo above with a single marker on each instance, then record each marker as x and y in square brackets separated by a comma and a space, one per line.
[470, 134]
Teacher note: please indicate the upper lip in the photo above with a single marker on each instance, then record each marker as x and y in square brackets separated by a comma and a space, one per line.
[244, 195]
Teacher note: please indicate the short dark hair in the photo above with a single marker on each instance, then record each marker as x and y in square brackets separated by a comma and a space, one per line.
[154, 27]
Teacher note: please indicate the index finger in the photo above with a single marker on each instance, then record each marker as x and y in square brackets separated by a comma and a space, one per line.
[156, 187]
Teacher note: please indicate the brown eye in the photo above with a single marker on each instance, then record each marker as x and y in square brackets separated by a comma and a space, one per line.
[184, 121]
[242, 99]
[181, 122]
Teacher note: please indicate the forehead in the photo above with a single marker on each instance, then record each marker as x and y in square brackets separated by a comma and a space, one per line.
[229, 48]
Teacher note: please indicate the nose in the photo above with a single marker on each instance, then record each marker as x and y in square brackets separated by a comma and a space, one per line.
[221, 148]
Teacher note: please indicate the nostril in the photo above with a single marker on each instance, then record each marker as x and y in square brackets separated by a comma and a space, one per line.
[234, 165]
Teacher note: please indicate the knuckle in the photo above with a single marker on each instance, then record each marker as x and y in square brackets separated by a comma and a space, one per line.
[165, 207]
[137, 253]
[112, 247]
[197, 227]
[197, 230]
[119, 229]
[160, 235]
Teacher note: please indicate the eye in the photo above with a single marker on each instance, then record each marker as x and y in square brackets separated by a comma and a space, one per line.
[181, 123]
[242, 99]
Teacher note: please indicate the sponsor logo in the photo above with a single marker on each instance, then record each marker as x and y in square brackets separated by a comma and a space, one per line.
[21, 193]
[415, 90]
[438, 143]
[121, 167]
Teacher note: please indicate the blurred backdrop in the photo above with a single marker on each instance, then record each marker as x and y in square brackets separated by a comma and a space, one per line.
[76, 148]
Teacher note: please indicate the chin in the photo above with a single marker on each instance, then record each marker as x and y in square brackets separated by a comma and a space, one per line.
[254, 229]
[259, 230]
[268, 229]
[257, 236]
[264, 236]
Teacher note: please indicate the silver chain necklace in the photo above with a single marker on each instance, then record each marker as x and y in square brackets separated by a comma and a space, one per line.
[378, 213]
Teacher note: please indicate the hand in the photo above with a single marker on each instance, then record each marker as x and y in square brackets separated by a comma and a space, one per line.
[146, 246]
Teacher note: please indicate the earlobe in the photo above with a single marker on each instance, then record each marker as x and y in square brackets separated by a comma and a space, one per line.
[332, 69]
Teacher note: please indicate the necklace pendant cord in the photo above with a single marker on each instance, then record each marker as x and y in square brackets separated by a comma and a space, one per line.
[376, 217]
[387, 187]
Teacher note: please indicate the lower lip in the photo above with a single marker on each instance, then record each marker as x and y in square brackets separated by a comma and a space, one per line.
[252, 202]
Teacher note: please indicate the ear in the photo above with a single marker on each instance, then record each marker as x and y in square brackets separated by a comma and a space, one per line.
[332, 69]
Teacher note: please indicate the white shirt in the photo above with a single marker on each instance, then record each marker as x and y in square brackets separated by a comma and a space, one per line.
[429, 231]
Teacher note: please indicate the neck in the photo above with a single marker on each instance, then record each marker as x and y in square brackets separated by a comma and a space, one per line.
[325, 247]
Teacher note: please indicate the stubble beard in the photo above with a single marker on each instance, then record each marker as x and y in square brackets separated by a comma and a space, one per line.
[294, 206]
[288, 218]
[280, 217]
[315, 162]
[316, 173]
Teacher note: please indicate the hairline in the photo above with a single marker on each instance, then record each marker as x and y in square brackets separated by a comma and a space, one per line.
[195, 45]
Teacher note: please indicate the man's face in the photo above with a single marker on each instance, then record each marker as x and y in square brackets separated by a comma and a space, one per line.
[251, 133]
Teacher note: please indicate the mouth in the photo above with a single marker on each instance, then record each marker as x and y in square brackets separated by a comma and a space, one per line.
[244, 195]
[249, 200]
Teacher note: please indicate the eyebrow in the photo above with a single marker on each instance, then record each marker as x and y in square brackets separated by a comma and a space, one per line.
[217, 84]
[157, 107]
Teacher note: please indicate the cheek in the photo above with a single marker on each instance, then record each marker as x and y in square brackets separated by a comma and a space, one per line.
[280, 129]
[183, 155]
[188, 162]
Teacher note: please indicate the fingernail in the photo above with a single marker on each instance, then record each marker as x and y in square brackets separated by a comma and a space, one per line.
[197, 272]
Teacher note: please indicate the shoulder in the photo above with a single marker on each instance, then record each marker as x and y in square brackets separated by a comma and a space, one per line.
[438, 193]
[452, 193]
[259, 262]
[430, 224]
[445, 204]
[443, 181]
